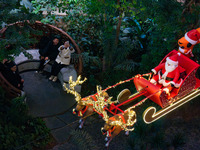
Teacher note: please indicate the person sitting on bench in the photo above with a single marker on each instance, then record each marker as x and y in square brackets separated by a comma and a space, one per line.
[49, 53]
[62, 60]
[10, 72]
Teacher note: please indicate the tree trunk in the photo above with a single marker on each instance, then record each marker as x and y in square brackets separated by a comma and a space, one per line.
[118, 29]
[119, 24]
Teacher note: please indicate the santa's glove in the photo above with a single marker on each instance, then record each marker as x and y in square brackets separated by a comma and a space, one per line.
[172, 85]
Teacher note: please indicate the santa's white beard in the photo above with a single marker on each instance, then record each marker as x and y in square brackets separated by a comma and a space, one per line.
[170, 68]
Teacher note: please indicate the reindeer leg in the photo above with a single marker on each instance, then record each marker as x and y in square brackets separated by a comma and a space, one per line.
[107, 144]
[114, 133]
[107, 136]
[80, 120]
[127, 133]
[87, 113]
[81, 123]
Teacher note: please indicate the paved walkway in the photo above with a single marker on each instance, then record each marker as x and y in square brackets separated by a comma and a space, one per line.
[47, 99]
[44, 97]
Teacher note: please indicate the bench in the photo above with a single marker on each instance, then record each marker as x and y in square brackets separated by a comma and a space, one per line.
[24, 64]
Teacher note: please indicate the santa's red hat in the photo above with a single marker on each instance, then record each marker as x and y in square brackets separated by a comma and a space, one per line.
[192, 36]
[173, 59]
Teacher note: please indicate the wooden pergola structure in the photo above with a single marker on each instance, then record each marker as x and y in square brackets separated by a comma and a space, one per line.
[46, 29]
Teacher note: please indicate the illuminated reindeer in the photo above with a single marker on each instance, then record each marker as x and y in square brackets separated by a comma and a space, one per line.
[84, 106]
[115, 124]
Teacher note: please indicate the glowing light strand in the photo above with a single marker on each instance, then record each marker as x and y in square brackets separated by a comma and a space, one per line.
[130, 121]
[72, 85]
[101, 103]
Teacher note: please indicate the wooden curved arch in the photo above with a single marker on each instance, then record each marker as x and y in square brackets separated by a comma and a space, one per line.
[46, 29]
[11, 91]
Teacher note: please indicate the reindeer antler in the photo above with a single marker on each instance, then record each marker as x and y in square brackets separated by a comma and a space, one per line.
[100, 103]
[72, 85]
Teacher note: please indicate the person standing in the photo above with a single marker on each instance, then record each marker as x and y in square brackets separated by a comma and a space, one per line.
[62, 60]
[49, 53]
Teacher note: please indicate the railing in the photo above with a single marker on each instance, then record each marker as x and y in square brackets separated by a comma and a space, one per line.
[11, 91]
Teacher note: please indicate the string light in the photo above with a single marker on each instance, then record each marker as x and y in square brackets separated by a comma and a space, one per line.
[72, 85]
[129, 123]
[101, 102]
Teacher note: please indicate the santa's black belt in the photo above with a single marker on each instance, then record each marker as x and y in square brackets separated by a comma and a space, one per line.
[167, 78]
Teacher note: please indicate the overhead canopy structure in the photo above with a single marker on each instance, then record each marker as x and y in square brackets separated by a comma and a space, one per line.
[46, 30]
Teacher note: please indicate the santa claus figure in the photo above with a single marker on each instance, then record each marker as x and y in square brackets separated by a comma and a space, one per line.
[166, 75]
[187, 42]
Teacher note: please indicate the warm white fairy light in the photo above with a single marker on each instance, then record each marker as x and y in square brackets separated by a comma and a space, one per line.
[101, 102]
[164, 111]
[130, 121]
[72, 85]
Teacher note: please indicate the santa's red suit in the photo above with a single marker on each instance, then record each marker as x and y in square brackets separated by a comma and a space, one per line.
[167, 74]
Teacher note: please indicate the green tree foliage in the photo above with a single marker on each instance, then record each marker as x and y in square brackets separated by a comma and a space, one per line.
[93, 24]
[148, 30]
[154, 30]
[171, 20]
[18, 129]
[83, 140]
[16, 38]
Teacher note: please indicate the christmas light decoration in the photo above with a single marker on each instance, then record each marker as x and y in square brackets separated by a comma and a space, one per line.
[72, 85]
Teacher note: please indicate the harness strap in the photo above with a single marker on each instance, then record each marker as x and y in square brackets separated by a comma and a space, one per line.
[122, 117]
[94, 97]
[113, 119]
[113, 128]
[83, 110]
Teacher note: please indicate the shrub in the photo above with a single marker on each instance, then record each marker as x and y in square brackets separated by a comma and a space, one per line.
[18, 130]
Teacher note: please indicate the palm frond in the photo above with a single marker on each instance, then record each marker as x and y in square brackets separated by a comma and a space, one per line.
[121, 53]
[128, 65]
[87, 59]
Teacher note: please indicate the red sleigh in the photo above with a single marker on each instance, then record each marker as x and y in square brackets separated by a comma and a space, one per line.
[125, 119]
[187, 69]
[188, 90]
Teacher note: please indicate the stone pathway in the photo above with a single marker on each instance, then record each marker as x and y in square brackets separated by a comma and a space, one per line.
[44, 97]
[47, 99]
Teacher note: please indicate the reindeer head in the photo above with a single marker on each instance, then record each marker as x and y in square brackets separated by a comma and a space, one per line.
[124, 121]
[71, 89]
[108, 125]
[82, 106]
[85, 103]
